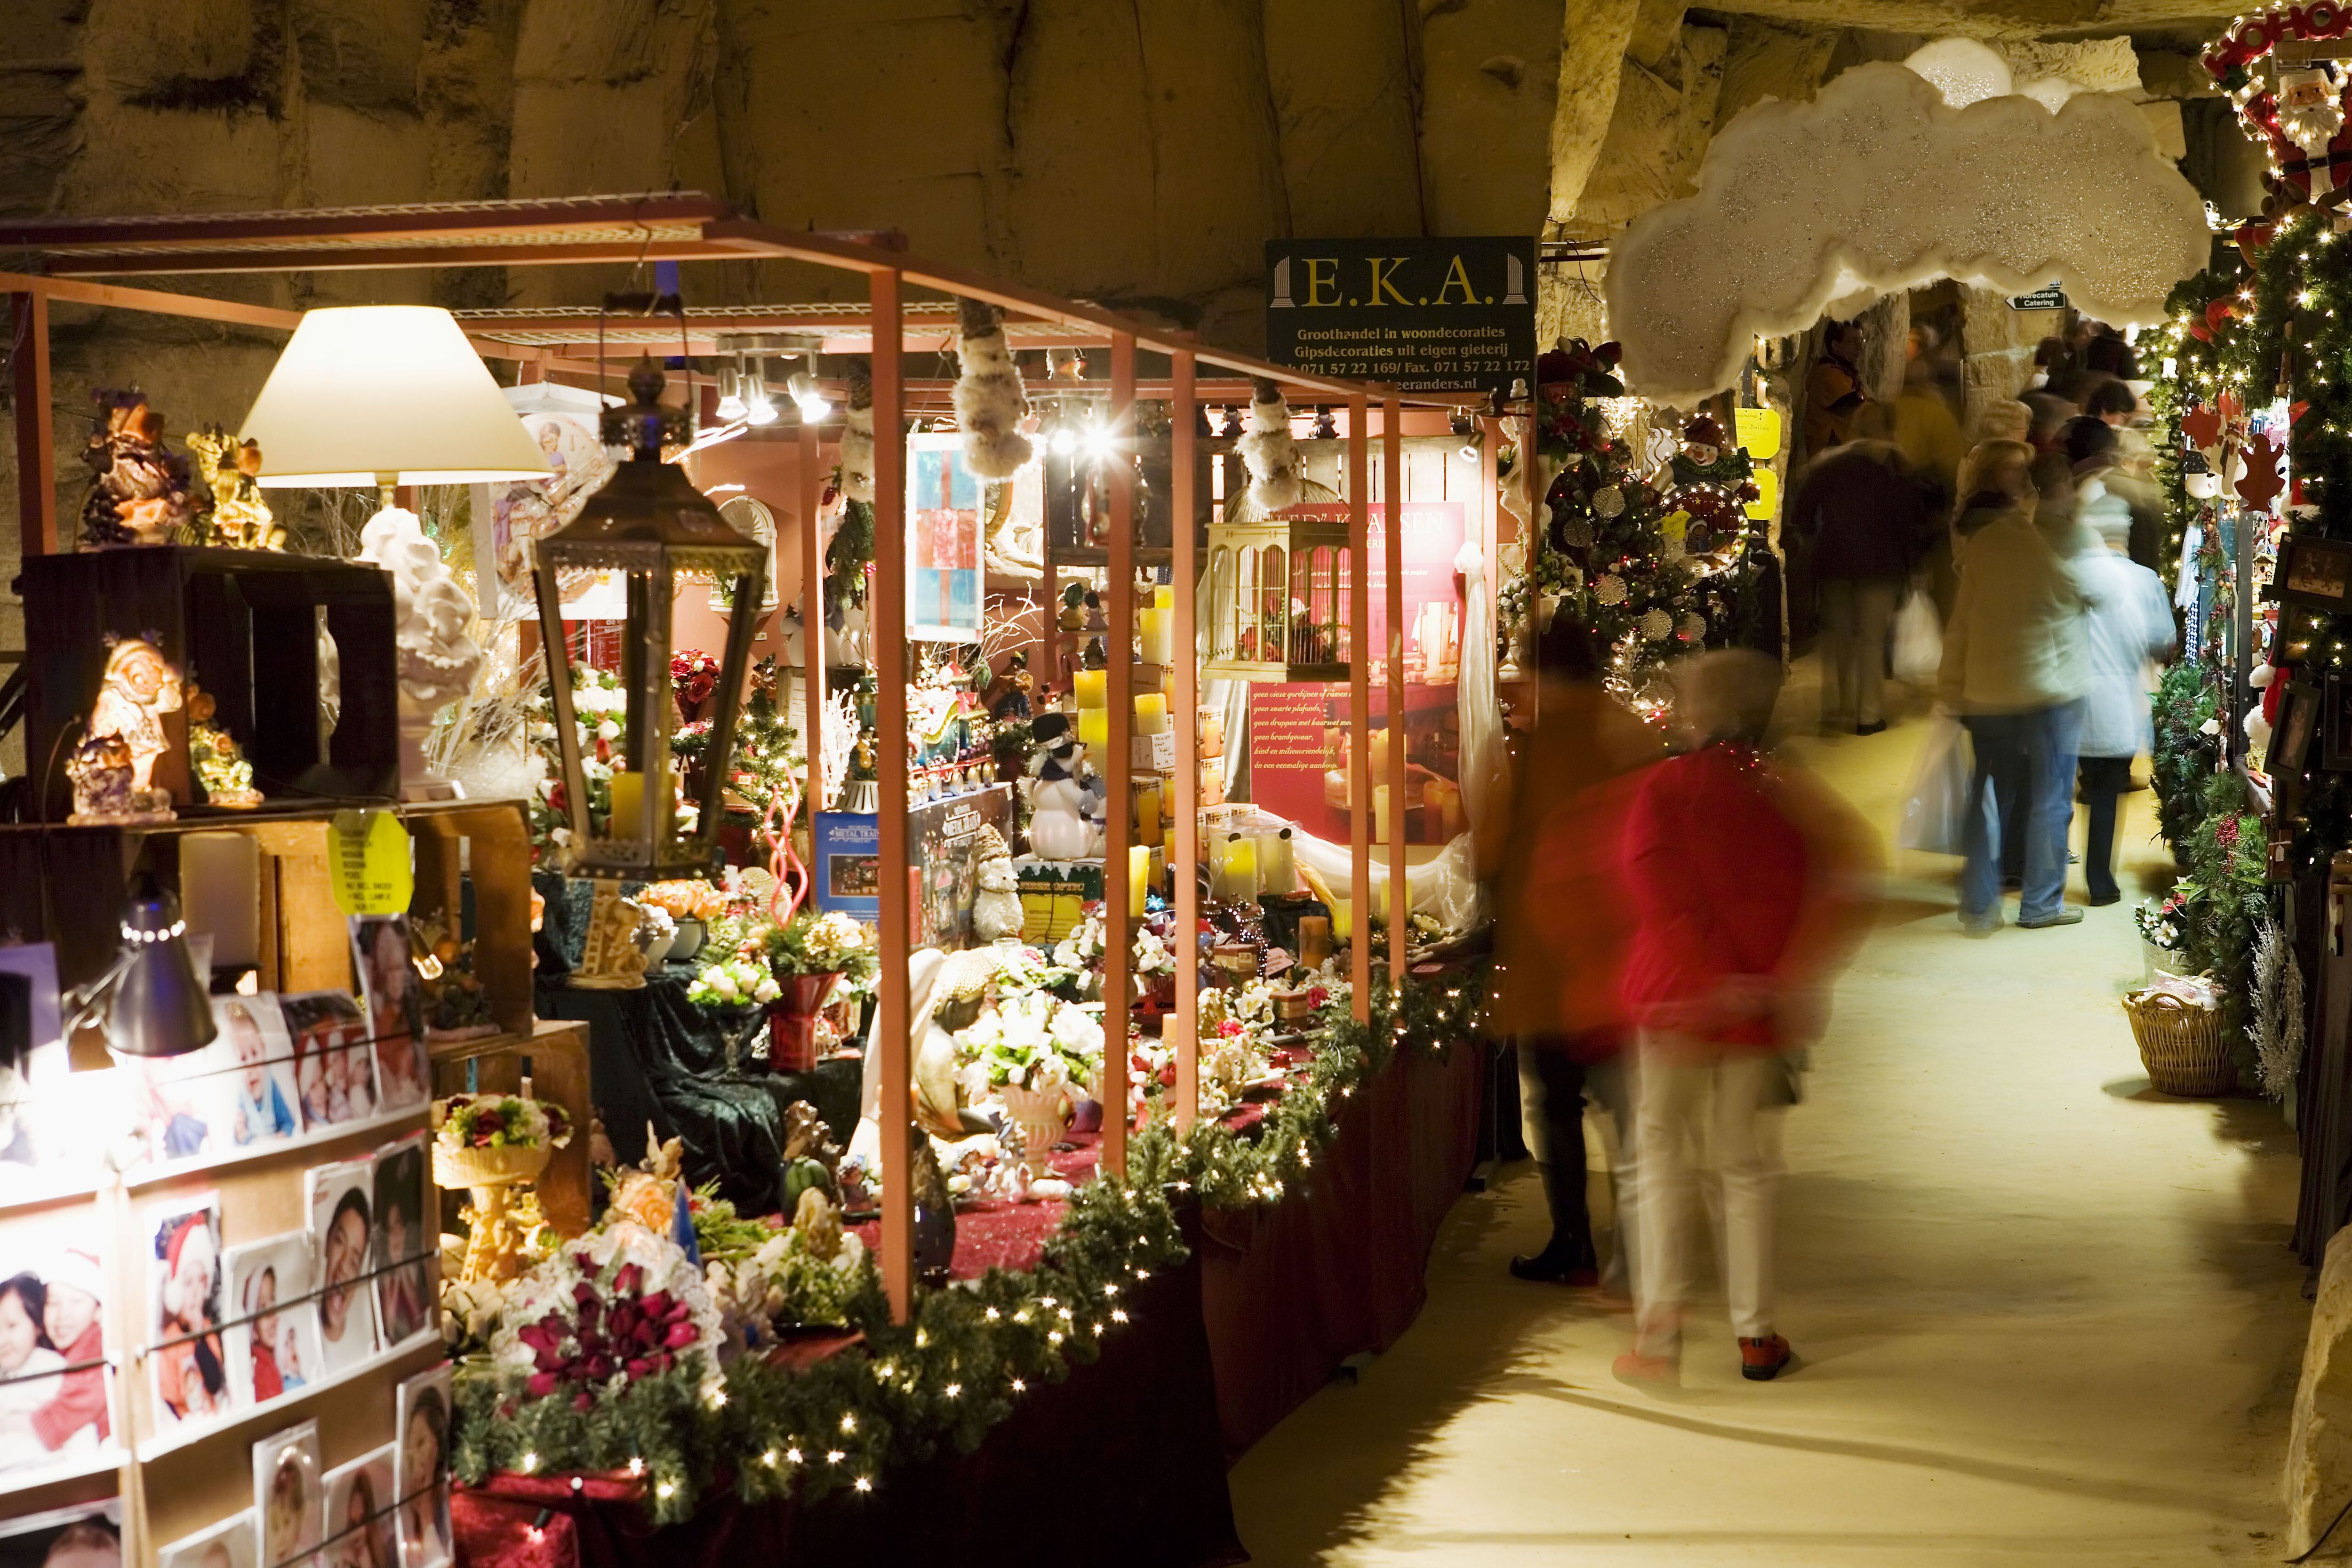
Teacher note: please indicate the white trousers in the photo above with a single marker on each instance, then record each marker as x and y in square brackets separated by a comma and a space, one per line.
[1698, 1107]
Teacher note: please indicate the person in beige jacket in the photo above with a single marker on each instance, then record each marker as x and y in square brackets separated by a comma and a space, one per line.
[2015, 668]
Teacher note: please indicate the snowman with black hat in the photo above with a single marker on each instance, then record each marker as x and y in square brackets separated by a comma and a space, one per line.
[1064, 795]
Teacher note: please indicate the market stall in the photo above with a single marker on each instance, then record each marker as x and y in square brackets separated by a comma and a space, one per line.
[883, 1046]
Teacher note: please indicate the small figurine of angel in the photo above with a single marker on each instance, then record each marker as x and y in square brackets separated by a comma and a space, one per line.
[126, 726]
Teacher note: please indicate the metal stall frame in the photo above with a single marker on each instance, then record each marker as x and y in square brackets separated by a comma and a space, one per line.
[67, 260]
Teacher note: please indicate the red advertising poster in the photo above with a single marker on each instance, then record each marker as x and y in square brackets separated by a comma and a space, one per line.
[1433, 537]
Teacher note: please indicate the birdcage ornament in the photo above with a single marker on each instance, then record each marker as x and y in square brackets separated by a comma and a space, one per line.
[1278, 596]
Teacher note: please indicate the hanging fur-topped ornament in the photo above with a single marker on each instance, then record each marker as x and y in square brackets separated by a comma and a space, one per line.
[857, 435]
[1276, 476]
[989, 399]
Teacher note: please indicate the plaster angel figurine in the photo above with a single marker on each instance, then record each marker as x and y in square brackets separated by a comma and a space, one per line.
[113, 770]
[438, 658]
[139, 487]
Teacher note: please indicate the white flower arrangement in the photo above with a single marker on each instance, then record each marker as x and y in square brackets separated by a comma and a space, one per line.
[734, 982]
[785, 1275]
[1032, 1041]
[1152, 955]
[1082, 946]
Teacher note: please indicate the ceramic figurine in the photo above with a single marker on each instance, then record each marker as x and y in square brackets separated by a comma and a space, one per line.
[432, 615]
[1059, 828]
[239, 519]
[1072, 616]
[996, 907]
[139, 489]
[125, 737]
[954, 1000]
[611, 959]
[220, 767]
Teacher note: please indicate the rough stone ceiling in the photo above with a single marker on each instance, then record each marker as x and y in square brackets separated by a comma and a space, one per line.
[1991, 18]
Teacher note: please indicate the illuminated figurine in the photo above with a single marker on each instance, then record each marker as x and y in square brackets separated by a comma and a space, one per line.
[113, 769]
[239, 519]
[213, 753]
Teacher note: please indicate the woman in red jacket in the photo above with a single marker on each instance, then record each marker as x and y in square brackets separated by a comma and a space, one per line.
[1746, 884]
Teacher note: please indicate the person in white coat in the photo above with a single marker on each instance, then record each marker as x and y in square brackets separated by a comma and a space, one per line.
[2127, 623]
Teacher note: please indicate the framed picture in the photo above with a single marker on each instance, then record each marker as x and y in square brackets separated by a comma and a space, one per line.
[288, 1497]
[273, 1334]
[254, 1061]
[2298, 719]
[2335, 724]
[334, 1066]
[342, 1223]
[184, 1313]
[228, 1545]
[359, 1510]
[53, 1371]
[421, 1472]
[2314, 572]
[404, 1247]
[395, 1023]
[90, 1536]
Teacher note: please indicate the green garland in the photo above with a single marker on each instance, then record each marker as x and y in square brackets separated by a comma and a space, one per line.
[969, 1352]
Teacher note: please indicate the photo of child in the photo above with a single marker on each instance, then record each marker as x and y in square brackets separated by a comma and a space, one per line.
[88, 1536]
[181, 1104]
[184, 1312]
[342, 1226]
[270, 1351]
[404, 1245]
[255, 1058]
[288, 1496]
[51, 1409]
[388, 980]
[228, 1545]
[333, 1068]
[359, 1509]
[422, 1472]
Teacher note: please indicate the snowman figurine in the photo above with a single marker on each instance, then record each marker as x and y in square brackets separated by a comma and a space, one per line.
[1061, 824]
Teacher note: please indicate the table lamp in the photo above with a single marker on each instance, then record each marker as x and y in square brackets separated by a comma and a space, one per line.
[387, 395]
[154, 1004]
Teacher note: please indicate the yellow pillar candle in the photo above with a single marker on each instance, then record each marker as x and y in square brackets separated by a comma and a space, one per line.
[1157, 628]
[1093, 687]
[1094, 728]
[1146, 813]
[628, 804]
[1150, 713]
[1241, 869]
[1163, 598]
[1138, 878]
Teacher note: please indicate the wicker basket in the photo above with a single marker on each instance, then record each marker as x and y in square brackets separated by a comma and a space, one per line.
[487, 1167]
[2180, 1046]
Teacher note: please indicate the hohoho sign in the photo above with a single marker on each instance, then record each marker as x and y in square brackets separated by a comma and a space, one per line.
[1421, 315]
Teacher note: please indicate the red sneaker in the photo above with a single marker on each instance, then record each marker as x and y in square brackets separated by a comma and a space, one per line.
[1648, 1370]
[1761, 1360]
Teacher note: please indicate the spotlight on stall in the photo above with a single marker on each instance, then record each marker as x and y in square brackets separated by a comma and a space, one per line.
[1461, 425]
[730, 392]
[805, 392]
[758, 408]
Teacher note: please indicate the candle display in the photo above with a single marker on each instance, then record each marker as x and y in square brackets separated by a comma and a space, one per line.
[1314, 941]
[1138, 878]
[628, 801]
[1275, 871]
[1241, 869]
[1163, 598]
[1093, 725]
[1146, 813]
[1157, 628]
[1093, 687]
[1150, 713]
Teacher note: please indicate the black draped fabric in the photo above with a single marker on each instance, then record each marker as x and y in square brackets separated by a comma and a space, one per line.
[654, 1056]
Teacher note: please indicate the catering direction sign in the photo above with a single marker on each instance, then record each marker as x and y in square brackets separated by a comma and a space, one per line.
[1421, 315]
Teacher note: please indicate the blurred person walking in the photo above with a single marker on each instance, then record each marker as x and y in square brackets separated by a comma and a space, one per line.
[2015, 670]
[1750, 884]
[1833, 389]
[2127, 623]
[1560, 942]
[1867, 521]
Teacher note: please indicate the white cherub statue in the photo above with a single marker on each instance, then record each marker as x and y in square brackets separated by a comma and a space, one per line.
[433, 615]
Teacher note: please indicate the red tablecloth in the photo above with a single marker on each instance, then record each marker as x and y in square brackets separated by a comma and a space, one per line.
[1336, 1268]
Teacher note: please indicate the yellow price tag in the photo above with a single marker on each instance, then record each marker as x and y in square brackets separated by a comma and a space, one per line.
[1767, 493]
[1757, 431]
[1674, 526]
[368, 860]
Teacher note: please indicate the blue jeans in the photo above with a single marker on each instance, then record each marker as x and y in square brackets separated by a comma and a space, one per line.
[2040, 747]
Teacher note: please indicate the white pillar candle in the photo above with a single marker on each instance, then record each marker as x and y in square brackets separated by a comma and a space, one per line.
[220, 894]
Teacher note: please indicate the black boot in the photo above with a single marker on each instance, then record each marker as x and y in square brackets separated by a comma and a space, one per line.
[1563, 1261]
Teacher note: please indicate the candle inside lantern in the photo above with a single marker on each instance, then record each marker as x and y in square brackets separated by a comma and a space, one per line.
[1163, 598]
[1157, 628]
[220, 893]
[628, 804]
[1093, 687]
[1150, 713]
[1093, 725]
[1138, 879]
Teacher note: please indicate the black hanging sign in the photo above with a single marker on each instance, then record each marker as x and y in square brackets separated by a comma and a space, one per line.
[1421, 315]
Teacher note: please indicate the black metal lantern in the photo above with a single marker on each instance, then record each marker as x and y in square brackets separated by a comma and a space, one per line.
[650, 523]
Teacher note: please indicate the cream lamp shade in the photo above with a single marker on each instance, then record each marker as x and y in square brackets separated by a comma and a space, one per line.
[384, 394]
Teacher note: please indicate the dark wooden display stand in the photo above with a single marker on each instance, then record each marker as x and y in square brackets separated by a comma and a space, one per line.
[244, 625]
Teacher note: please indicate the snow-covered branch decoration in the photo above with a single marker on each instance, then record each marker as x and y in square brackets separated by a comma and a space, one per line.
[989, 399]
[1276, 476]
[2277, 1027]
[857, 435]
[1897, 189]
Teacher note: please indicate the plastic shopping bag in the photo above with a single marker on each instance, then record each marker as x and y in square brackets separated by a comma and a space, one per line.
[1935, 812]
[1918, 641]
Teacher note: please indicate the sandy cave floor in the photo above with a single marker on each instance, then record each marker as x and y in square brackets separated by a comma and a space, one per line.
[2044, 1315]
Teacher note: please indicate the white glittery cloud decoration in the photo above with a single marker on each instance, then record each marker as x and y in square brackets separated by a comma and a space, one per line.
[1878, 185]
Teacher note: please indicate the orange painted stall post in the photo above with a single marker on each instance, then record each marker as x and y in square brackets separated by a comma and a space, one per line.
[814, 682]
[890, 750]
[1359, 733]
[1183, 1023]
[1118, 919]
[1393, 492]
